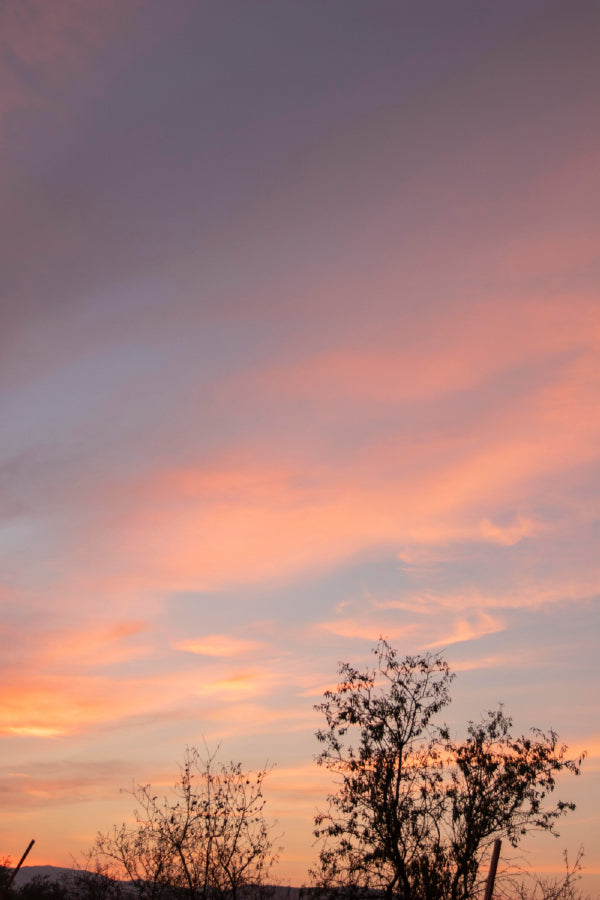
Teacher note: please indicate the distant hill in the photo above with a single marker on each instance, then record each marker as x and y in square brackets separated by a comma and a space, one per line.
[54, 873]
[60, 873]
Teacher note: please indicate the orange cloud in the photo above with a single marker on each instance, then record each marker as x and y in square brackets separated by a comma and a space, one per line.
[219, 645]
[589, 746]
[304, 784]
[50, 705]
[96, 645]
[56, 705]
[246, 682]
[318, 690]
[484, 662]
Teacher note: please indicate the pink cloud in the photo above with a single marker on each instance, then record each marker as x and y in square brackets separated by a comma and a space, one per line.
[470, 630]
[366, 628]
[432, 617]
[509, 535]
[257, 515]
[218, 645]
[468, 346]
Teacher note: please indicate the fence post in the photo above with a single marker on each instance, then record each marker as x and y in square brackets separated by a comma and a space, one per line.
[9, 882]
[489, 887]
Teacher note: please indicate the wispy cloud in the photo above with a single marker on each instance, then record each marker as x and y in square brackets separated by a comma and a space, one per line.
[470, 630]
[508, 535]
[219, 645]
[64, 781]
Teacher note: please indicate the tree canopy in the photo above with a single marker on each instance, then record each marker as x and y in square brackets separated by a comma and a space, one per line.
[416, 811]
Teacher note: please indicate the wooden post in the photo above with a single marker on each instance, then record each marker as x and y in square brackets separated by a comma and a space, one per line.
[489, 887]
[13, 875]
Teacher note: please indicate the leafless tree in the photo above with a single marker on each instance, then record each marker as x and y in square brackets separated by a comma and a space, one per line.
[206, 841]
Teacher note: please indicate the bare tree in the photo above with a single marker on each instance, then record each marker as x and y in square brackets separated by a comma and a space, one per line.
[531, 886]
[206, 841]
[415, 811]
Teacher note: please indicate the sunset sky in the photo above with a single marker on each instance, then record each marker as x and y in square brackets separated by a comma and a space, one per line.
[299, 346]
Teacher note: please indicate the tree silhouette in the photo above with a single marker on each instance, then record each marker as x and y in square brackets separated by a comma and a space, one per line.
[416, 811]
[207, 841]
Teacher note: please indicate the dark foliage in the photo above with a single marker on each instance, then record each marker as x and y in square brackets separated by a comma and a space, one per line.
[5, 877]
[416, 811]
[41, 887]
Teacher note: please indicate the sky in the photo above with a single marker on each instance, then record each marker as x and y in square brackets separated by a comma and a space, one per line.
[299, 346]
